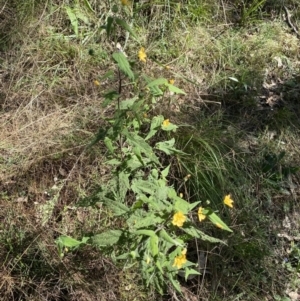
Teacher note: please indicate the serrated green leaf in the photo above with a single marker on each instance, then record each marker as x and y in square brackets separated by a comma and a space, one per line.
[107, 238]
[175, 283]
[146, 149]
[141, 219]
[116, 207]
[123, 64]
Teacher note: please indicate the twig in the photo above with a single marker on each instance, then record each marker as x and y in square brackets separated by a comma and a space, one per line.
[291, 25]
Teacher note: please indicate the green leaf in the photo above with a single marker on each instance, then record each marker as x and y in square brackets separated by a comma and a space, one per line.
[174, 89]
[164, 235]
[217, 221]
[109, 145]
[73, 19]
[154, 245]
[196, 233]
[128, 103]
[140, 186]
[116, 207]
[158, 265]
[155, 126]
[68, 241]
[109, 97]
[88, 5]
[108, 75]
[174, 282]
[146, 232]
[80, 15]
[169, 127]
[123, 64]
[142, 219]
[157, 82]
[107, 238]
[109, 24]
[162, 194]
[189, 272]
[137, 152]
[193, 205]
[123, 24]
[182, 205]
[136, 140]
[167, 147]
[113, 162]
[165, 172]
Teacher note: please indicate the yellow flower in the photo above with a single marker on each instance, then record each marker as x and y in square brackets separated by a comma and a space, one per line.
[178, 219]
[142, 55]
[167, 67]
[171, 81]
[96, 83]
[180, 260]
[166, 122]
[228, 201]
[125, 2]
[148, 260]
[201, 216]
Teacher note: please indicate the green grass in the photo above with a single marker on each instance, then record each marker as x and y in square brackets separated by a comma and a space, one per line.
[50, 110]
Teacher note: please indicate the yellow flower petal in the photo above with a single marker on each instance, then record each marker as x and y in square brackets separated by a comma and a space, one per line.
[178, 219]
[142, 55]
[228, 201]
[201, 216]
[171, 81]
[166, 122]
[96, 83]
[125, 2]
[180, 260]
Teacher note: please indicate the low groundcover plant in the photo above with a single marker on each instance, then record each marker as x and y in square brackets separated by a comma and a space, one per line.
[157, 223]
